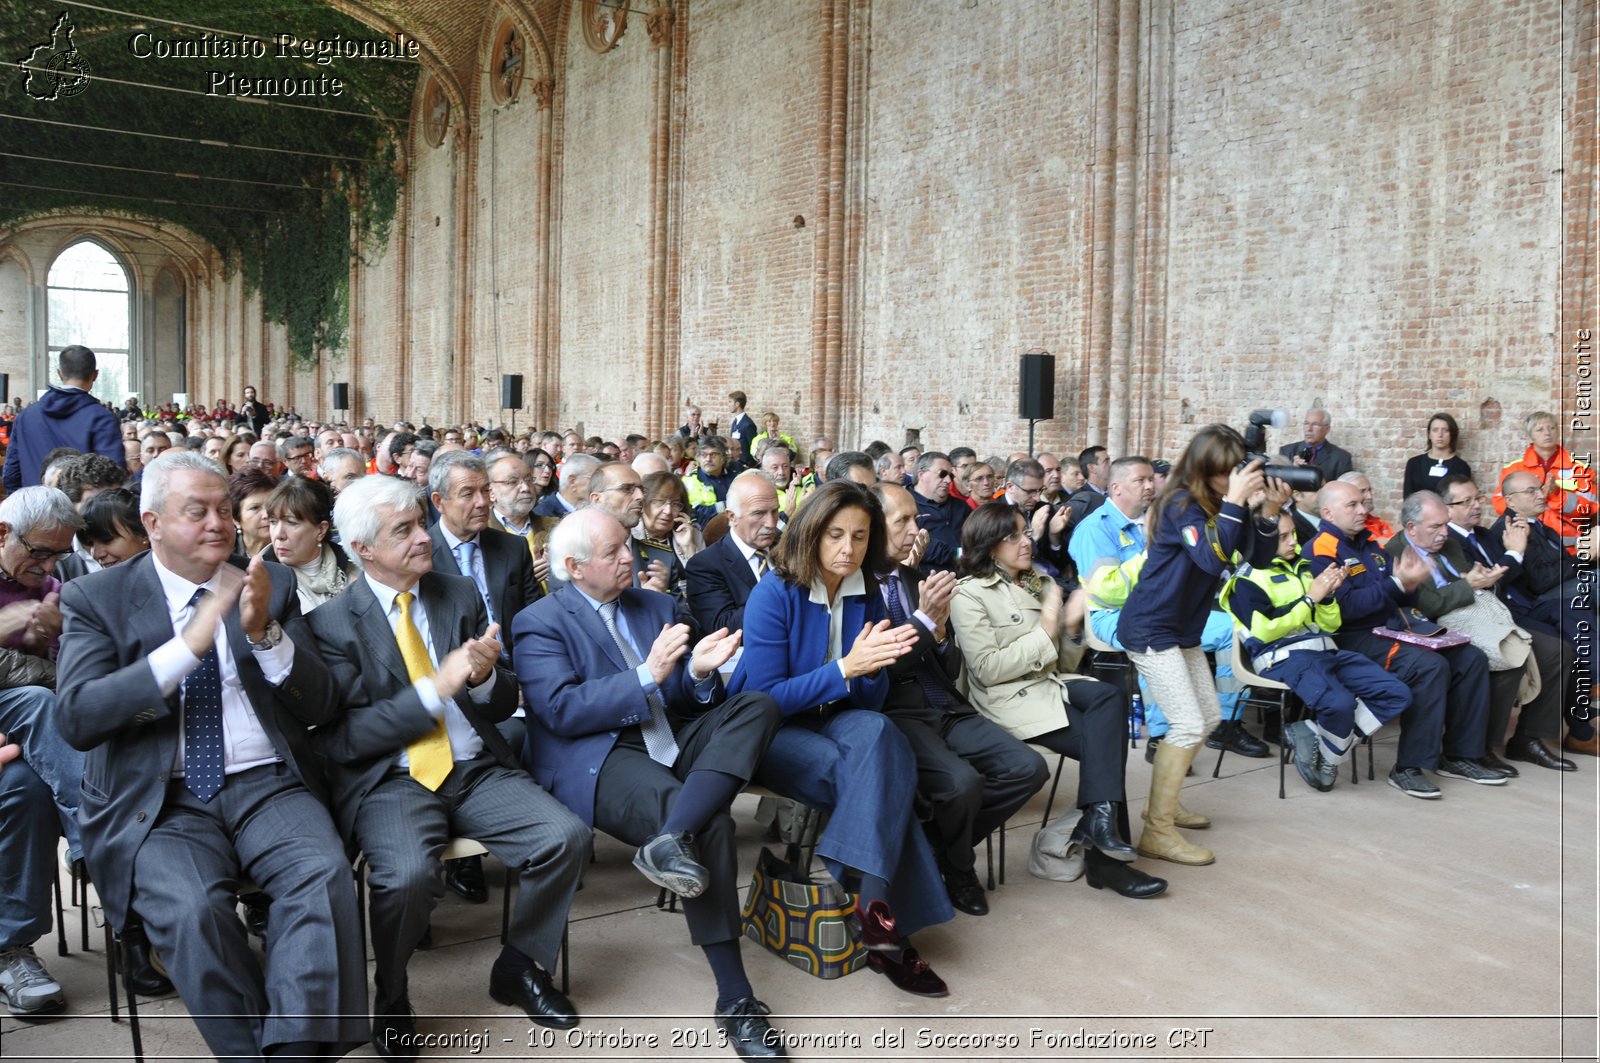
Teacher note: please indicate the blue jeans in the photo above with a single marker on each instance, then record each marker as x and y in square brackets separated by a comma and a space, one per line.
[27, 717]
[1217, 639]
[30, 828]
[857, 766]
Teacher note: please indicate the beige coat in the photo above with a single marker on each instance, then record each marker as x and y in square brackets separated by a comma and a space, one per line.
[1014, 671]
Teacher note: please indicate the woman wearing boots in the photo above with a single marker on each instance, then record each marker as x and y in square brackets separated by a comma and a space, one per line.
[1009, 623]
[1214, 514]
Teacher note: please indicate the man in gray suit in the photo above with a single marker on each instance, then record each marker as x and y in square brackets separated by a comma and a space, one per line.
[416, 758]
[190, 686]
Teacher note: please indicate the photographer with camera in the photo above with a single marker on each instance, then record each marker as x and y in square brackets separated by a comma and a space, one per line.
[1218, 511]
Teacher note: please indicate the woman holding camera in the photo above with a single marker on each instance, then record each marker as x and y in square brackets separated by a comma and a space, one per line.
[1215, 513]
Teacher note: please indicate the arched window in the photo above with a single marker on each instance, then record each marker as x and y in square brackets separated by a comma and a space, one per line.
[89, 302]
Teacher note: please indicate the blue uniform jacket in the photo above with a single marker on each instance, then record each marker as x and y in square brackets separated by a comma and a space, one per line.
[1369, 596]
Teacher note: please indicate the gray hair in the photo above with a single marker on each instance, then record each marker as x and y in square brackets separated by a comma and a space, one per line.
[292, 443]
[748, 478]
[331, 460]
[578, 467]
[153, 483]
[1355, 477]
[1411, 509]
[574, 538]
[39, 507]
[357, 514]
[446, 463]
[649, 462]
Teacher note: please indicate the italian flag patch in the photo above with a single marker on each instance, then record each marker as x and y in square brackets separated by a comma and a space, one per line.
[1191, 536]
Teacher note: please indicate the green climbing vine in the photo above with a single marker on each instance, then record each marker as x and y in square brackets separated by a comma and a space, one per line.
[290, 218]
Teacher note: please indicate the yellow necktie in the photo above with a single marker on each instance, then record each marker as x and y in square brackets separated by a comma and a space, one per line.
[430, 756]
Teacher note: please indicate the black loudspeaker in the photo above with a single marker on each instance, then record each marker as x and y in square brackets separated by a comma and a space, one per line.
[5, 387]
[1036, 392]
[511, 391]
[341, 396]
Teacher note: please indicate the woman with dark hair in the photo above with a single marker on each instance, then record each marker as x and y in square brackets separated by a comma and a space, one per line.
[1214, 514]
[112, 529]
[250, 490]
[818, 639]
[236, 453]
[300, 516]
[542, 469]
[1010, 622]
[1427, 470]
[665, 533]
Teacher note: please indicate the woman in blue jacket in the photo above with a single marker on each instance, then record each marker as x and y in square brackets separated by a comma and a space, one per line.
[817, 638]
[1214, 514]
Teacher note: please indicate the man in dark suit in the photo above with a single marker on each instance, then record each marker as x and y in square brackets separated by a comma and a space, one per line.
[630, 729]
[499, 565]
[969, 770]
[1333, 461]
[1454, 584]
[937, 513]
[416, 759]
[575, 473]
[497, 562]
[1562, 590]
[742, 426]
[722, 575]
[190, 686]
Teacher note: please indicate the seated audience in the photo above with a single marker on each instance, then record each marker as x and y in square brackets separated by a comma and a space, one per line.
[938, 514]
[708, 483]
[248, 492]
[1569, 485]
[722, 575]
[574, 491]
[300, 516]
[111, 527]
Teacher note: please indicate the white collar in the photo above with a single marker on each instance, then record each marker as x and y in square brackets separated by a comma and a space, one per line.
[385, 593]
[176, 589]
[855, 583]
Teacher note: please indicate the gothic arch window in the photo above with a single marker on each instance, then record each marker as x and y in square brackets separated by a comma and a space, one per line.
[89, 300]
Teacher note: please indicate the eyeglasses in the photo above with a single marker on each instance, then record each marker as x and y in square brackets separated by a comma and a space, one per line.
[1465, 501]
[670, 507]
[1017, 538]
[1028, 492]
[1529, 490]
[41, 553]
[519, 481]
[632, 489]
[542, 465]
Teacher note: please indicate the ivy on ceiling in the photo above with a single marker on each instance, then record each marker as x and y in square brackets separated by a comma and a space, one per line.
[290, 222]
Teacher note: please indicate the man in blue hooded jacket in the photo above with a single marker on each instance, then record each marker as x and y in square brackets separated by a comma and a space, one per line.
[67, 416]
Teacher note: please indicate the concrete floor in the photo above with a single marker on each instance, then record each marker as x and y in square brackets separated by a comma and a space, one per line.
[1355, 924]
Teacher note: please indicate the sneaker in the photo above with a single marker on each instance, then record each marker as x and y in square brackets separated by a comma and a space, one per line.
[1412, 783]
[1327, 771]
[1301, 742]
[28, 987]
[1462, 768]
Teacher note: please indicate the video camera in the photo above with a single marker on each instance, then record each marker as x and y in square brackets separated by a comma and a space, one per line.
[1298, 477]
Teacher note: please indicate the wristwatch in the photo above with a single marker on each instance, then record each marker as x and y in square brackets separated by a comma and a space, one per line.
[268, 641]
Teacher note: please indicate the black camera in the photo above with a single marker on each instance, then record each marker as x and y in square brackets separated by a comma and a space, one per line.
[1298, 477]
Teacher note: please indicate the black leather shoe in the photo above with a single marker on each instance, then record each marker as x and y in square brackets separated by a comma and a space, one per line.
[256, 908]
[745, 1023]
[1494, 763]
[1098, 830]
[394, 1030]
[1103, 872]
[465, 879]
[533, 992]
[669, 861]
[966, 892]
[909, 973]
[142, 974]
[1534, 751]
[1232, 736]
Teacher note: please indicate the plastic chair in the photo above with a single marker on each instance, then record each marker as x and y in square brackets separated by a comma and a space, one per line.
[1264, 694]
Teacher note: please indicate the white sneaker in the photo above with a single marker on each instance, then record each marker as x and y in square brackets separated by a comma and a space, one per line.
[28, 987]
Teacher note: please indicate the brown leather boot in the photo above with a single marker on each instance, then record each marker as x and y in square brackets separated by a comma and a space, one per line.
[1161, 839]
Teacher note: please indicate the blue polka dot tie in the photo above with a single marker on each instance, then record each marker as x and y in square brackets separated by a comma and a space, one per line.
[202, 722]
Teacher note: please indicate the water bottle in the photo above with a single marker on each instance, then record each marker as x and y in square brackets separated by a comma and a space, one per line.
[1135, 717]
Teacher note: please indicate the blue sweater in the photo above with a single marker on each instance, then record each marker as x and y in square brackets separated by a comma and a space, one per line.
[65, 417]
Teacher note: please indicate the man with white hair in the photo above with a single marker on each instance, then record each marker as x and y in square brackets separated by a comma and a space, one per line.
[575, 473]
[341, 467]
[722, 575]
[629, 727]
[191, 687]
[38, 795]
[416, 759]
[1316, 450]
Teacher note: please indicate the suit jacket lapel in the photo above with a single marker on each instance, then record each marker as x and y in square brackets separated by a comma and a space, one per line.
[373, 628]
[736, 558]
[588, 618]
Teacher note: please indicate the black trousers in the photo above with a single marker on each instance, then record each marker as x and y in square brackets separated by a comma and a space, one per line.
[1095, 737]
[1541, 717]
[633, 795]
[972, 773]
[1449, 710]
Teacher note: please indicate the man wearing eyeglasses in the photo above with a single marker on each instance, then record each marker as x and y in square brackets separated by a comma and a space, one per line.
[618, 490]
[708, 484]
[38, 795]
[1316, 450]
